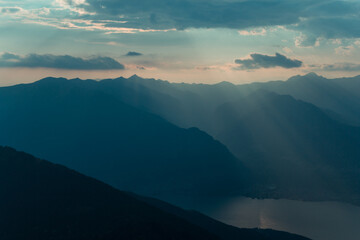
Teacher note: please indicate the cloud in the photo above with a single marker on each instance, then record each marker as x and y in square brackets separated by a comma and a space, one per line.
[8, 60]
[257, 61]
[330, 27]
[287, 50]
[344, 50]
[133, 54]
[259, 32]
[10, 10]
[307, 41]
[343, 67]
[9, 56]
[330, 20]
[141, 68]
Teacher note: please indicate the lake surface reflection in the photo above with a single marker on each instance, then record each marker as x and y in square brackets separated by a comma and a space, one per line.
[316, 220]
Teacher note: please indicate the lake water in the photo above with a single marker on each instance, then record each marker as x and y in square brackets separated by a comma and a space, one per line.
[316, 220]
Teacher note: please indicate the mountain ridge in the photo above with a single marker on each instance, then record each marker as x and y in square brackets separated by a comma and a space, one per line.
[90, 125]
[305, 132]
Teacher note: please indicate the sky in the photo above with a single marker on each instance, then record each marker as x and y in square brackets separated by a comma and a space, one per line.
[192, 41]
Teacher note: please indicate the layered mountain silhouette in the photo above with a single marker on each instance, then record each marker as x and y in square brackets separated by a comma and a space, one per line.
[292, 139]
[79, 125]
[41, 200]
[300, 149]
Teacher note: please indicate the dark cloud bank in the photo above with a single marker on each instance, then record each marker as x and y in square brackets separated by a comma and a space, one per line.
[315, 18]
[257, 61]
[59, 62]
[181, 14]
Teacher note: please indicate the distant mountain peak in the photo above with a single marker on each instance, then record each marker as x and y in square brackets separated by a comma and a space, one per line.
[310, 76]
[135, 76]
[224, 83]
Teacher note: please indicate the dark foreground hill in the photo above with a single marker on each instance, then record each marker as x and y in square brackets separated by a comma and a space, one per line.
[43, 201]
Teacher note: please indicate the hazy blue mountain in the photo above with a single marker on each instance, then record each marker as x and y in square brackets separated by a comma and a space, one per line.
[293, 144]
[351, 84]
[42, 200]
[279, 122]
[192, 104]
[185, 105]
[341, 96]
[77, 124]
